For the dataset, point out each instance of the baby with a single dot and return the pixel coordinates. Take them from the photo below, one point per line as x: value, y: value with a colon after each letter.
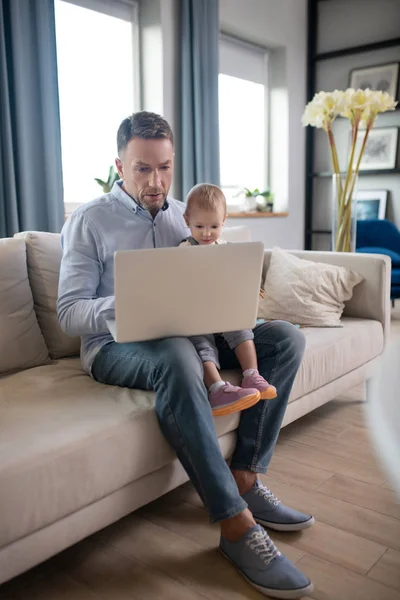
x: 205, y: 216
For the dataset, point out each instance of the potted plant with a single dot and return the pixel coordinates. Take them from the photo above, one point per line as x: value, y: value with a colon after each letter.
x: 112, y: 178
x: 262, y: 201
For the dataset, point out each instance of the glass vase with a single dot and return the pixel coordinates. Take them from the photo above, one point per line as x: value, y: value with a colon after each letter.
x: 344, y: 219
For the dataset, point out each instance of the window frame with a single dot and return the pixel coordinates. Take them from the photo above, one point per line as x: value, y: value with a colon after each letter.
x: 238, y: 43
x: 126, y: 10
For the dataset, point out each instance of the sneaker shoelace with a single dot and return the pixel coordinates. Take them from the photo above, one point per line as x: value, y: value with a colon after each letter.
x: 260, y: 543
x: 266, y: 493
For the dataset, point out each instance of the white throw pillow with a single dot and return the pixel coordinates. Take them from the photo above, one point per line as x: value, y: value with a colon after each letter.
x: 306, y: 292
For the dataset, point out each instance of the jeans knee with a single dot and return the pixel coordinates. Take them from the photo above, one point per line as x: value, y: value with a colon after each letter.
x: 180, y: 359
x: 295, y: 340
x: 285, y: 336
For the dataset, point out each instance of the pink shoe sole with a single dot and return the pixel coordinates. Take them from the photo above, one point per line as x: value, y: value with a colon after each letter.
x: 242, y: 404
x: 269, y: 394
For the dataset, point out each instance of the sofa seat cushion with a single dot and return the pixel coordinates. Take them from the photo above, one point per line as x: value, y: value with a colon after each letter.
x: 67, y: 441
x: 330, y: 353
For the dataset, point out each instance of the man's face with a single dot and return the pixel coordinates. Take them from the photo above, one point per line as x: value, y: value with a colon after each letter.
x: 146, y: 166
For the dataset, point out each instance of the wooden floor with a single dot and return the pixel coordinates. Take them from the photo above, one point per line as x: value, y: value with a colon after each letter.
x: 324, y: 463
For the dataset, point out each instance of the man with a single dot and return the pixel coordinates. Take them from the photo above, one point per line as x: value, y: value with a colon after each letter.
x: 137, y: 213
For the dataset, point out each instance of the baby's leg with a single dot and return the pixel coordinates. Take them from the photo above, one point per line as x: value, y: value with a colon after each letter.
x: 224, y: 397
x: 243, y: 345
x: 241, y: 342
x: 247, y: 355
x: 208, y: 352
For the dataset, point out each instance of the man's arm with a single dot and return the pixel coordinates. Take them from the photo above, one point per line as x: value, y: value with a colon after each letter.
x: 79, y: 309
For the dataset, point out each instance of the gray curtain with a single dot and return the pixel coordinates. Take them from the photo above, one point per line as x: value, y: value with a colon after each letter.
x: 199, y: 36
x: 30, y: 147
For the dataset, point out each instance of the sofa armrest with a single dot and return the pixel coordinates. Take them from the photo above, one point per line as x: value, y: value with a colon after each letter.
x: 371, y: 298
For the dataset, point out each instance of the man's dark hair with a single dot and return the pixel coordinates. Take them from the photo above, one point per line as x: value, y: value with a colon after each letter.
x: 144, y: 125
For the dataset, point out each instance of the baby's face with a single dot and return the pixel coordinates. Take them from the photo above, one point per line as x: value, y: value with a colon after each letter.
x: 205, y: 225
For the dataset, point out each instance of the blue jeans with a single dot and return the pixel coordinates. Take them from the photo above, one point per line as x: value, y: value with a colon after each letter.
x: 174, y: 370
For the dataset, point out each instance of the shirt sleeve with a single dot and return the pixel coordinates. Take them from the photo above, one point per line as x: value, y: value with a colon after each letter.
x: 80, y: 310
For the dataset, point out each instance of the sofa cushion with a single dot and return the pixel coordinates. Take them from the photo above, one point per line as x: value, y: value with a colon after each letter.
x: 21, y: 343
x: 330, y: 353
x: 306, y: 292
x: 44, y: 254
x: 67, y: 441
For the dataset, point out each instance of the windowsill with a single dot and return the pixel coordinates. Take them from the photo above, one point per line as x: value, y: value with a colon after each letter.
x: 256, y: 215
x: 238, y: 215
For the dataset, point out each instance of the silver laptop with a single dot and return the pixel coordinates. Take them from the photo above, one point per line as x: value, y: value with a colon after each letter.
x: 170, y: 292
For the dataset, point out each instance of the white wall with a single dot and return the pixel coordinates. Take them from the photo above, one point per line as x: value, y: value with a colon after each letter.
x: 278, y: 24
x: 347, y: 23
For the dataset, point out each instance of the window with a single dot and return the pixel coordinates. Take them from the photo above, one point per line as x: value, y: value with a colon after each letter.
x: 242, y: 118
x: 96, y: 54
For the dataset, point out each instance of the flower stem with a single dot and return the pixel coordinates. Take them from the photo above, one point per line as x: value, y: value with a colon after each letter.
x: 363, y: 147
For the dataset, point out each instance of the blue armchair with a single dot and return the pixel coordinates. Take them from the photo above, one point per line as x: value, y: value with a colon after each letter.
x: 379, y: 236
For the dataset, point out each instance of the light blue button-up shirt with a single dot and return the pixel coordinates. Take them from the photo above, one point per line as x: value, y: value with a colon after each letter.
x: 89, y: 239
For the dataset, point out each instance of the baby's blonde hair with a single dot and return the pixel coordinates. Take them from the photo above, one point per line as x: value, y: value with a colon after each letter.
x: 205, y: 196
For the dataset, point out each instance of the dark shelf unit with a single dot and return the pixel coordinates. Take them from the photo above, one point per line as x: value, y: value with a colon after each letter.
x: 358, y: 49
x: 363, y: 172
x: 312, y: 59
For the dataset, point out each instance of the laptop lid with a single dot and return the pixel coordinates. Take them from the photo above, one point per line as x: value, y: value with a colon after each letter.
x: 168, y: 292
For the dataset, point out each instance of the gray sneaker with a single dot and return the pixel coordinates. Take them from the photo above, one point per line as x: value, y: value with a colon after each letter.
x: 264, y: 567
x: 272, y: 513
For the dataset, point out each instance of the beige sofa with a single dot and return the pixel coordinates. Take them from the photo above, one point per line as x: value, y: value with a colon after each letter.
x: 76, y: 455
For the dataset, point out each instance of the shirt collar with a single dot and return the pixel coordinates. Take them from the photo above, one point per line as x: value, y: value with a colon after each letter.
x: 130, y: 202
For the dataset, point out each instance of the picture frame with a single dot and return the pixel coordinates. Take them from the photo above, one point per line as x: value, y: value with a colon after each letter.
x: 380, y: 151
x: 370, y: 204
x: 378, y: 77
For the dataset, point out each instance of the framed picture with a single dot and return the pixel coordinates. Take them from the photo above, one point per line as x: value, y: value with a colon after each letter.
x: 380, y: 77
x: 380, y: 151
x: 371, y: 204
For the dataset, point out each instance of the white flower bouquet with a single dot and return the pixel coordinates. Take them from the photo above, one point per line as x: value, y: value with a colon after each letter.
x: 361, y: 107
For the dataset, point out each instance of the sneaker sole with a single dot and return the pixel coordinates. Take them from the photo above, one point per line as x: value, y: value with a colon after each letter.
x: 286, y: 526
x: 237, y: 406
x: 273, y: 593
x: 269, y: 393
